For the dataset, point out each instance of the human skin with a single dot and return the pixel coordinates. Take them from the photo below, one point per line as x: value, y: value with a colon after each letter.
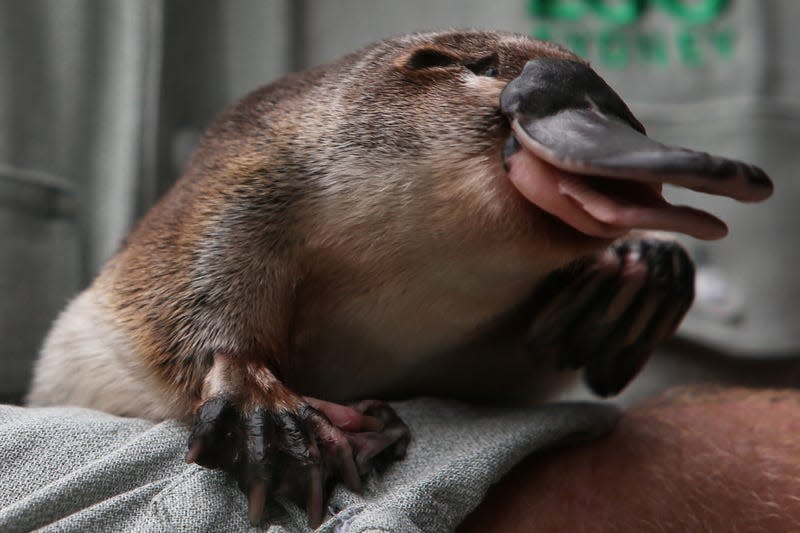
x: 693, y: 459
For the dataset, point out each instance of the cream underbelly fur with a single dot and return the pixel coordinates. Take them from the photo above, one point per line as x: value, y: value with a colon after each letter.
x: 86, y: 361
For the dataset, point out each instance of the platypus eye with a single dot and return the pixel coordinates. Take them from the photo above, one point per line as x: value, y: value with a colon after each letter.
x: 486, y: 66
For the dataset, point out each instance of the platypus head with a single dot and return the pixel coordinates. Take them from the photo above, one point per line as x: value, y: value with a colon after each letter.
x: 466, y: 113
x: 477, y: 143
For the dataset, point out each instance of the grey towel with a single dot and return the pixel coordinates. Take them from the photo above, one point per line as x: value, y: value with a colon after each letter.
x: 73, y: 469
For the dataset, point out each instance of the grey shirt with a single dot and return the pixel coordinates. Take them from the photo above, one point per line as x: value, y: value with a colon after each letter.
x: 72, y: 469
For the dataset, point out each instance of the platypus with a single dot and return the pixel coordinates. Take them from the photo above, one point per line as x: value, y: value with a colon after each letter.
x: 457, y: 213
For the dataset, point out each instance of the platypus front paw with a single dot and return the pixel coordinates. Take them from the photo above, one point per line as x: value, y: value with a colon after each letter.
x: 608, y: 313
x: 299, y: 449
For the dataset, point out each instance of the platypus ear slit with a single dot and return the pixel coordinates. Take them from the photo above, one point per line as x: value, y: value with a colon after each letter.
x: 427, y: 57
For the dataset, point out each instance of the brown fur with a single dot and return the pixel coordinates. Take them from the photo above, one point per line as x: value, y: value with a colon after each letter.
x: 348, y: 195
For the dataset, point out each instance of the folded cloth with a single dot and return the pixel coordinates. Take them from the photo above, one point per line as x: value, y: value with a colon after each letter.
x: 74, y: 469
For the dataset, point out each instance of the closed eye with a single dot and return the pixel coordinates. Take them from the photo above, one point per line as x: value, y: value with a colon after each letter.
x: 485, y: 66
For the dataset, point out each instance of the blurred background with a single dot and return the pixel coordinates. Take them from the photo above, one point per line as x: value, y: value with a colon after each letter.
x: 102, y: 101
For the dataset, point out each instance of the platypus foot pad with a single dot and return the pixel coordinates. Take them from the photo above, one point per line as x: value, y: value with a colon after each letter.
x: 608, y: 313
x: 300, y: 452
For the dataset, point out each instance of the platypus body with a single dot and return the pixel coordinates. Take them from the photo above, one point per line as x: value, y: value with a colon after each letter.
x: 442, y: 214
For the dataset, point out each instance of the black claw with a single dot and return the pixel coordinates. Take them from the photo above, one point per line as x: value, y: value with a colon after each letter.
x: 206, y: 442
x: 607, y: 378
x: 348, y: 469
x: 315, y: 500
x: 340, y: 459
x: 294, y: 439
x: 256, y: 499
x: 585, y: 334
x: 195, y: 450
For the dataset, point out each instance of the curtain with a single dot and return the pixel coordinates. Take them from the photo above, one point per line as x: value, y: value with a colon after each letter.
x: 101, y: 101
